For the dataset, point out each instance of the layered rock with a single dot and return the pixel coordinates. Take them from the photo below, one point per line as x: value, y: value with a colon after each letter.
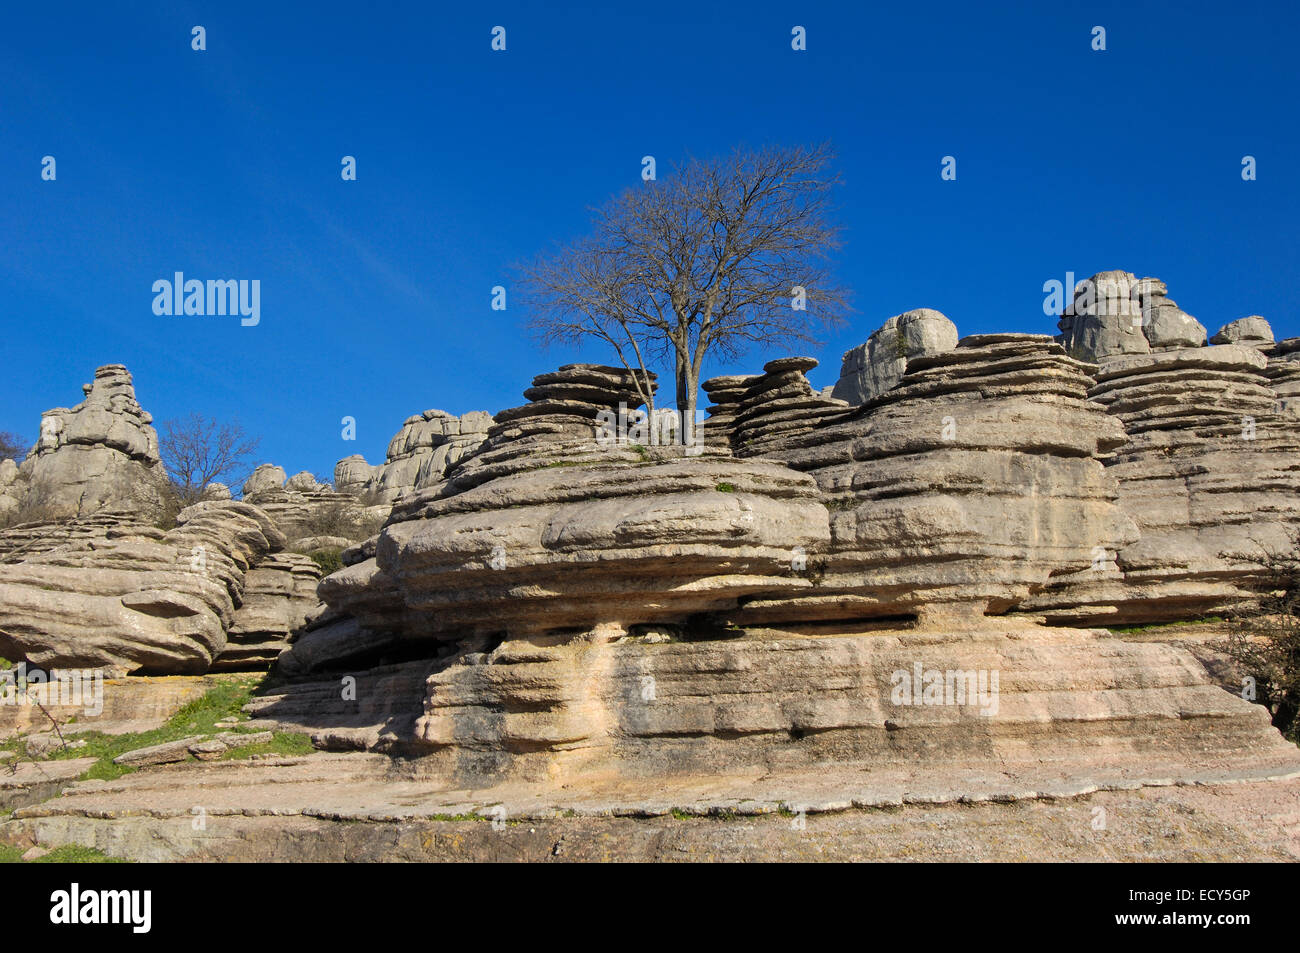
x: 555, y: 712
x: 312, y: 515
x: 1210, y: 473
x: 279, y: 594
x: 101, y: 454
x: 1105, y: 317
x: 778, y: 405
x: 418, y: 456
x: 725, y: 396
x: 1283, y: 373
x: 874, y: 367
x: 962, y: 490
x: 551, y: 527
x: 136, y: 598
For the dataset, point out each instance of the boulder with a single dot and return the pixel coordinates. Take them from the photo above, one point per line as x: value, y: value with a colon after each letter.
x: 1252, y: 331
x: 876, y: 366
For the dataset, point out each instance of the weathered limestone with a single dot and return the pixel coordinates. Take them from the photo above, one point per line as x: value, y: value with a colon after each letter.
x: 725, y: 396
x: 418, y: 455
x: 874, y: 367
x: 546, y: 529
x: 1252, y: 331
x: 1211, y: 475
x: 1163, y: 322
x: 558, y: 713
x: 135, y: 598
x: 278, y: 595
x: 1105, y: 318
x: 1283, y: 373
x: 778, y: 405
x: 101, y: 454
x: 960, y: 491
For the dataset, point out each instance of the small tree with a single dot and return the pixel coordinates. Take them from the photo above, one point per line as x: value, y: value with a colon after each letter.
x: 721, y: 255
x: 197, y: 451
x: 12, y: 447
x: 1265, y: 638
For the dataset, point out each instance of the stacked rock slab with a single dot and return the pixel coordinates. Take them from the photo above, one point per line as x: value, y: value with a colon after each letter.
x: 279, y: 593
x: 1283, y: 373
x: 611, y: 612
x: 1211, y: 475
x: 778, y: 405
x: 725, y: 395
x: 100, y: 454
x: 547, y: 528
x: 418, y: 456
x: 310, y: 514
x: 138, y: 598
x: 872, y: 368
x: 963, y: 489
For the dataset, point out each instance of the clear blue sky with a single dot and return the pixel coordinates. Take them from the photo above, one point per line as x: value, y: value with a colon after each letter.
x: 375, y: 293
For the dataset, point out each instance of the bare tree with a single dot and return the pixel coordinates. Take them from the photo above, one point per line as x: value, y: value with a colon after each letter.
x: 197, y: 451
x: 721, y: 255
x: 12, y: 447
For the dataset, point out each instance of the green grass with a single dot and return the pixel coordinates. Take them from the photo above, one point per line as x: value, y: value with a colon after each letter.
x: 329, y: 560
x: 67, y: 854
x: 222, y: 702
x: 726, y: 488
x: 283, y: 743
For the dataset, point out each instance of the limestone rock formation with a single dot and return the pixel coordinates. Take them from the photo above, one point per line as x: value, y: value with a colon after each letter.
x: 279, y: 593
x: 1105, y: 317
x: 312, y: 515
x: 966, y: 487
x: 778, y: 405
x: 1283, y: 373
x: 418, y: 455
x: 1164, y: 324
x: 546, y: 528
x: 874, y: 367
x: 725, y: 395
x: 135, y: 598
x: 101, y: 454
x: 1211, y: 474
x: 1252, y: 331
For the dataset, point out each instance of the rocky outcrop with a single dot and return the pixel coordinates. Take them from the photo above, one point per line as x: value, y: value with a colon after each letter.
x: 418, y: 455
x: 279, y: 593
x: 99, y: 455
x: 1251, y: 331
x: 778, y: 405
x: 1283, y: 373
x: 1210, y: 473
x: 1105, y: 317
x: 135, y: 598
x: 725, y: 396
x: 962, y: 490
x: 551, y: 527
x: 312, y: 515
x: 874, y: 367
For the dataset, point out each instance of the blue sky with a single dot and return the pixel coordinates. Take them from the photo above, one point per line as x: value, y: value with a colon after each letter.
x: 375, y: 293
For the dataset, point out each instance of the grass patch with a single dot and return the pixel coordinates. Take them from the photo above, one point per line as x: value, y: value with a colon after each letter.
x: 67, y: 854
x: 726, y: 488
x: 329, y: 560
x: 283, y: 743
x: 222, y: 702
